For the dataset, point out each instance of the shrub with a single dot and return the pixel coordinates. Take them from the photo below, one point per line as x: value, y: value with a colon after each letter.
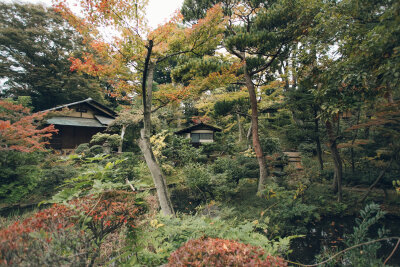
x: 307, y: 149
x: 197, y: 176
x: 82, y: 148
x: 218, y: 185
x: 370, y: 216
x: 270, y: 145
x: 95, y: 150
x: 100, y: 138
x: 19, y: 174
x: 230, y: 167
x: 250, y: 166
x: 180, y: 151
x: 220, y: 252
x: 67, y: 234
x: 164, y: 235
x: 55, y: 176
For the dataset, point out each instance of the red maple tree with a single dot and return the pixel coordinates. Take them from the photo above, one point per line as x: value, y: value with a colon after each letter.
x: 20, y: 130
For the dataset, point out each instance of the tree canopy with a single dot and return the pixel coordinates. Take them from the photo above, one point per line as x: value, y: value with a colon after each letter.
x: 35, y: 44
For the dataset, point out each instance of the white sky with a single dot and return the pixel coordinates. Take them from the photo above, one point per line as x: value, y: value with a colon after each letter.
x: 158, y: 11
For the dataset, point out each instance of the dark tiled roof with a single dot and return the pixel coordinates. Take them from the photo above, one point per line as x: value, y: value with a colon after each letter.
x: 200, y: 126
x: 88, y: 101
x: 75, y: 121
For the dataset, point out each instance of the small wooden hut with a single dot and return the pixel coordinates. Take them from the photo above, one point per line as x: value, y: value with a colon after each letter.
x: 199, y: 133
x: 83, y: 120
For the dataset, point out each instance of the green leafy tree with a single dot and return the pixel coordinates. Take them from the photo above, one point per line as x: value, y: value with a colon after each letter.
x: 257, y: 34
x: 350, y: 60
x: 129, y: 61
x: 35, y: 44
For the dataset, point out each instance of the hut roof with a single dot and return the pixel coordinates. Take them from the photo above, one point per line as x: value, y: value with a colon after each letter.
x: 200, y: 126
x: 90, y: 102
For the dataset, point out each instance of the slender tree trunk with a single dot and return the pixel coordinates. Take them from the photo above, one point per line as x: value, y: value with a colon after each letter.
x: 248, y: 136
x: 353, y: 165
x: 317, y: 140
x: 123, y: 130
x: 145, y: 133
x: 378, y: 179
x: 338, y: 168
x: 256, y: 140
x: 240, y: 128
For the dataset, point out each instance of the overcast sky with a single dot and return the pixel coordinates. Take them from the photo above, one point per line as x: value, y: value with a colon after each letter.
x: 158, y: 11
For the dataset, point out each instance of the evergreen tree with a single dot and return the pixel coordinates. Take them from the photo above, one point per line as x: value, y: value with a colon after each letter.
x: 35, y: 44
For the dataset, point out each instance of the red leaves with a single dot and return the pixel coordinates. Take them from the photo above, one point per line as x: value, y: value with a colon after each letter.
x: 108, y: 214
x: 220, y: 252
x: 19, y: 129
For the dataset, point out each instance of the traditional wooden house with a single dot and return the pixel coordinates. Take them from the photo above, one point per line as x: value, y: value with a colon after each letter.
x: 199, y: 133
x: 77, y: 126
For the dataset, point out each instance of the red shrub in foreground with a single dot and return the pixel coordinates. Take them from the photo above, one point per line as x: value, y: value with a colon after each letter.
x: 57, y: 228
x: 219, y: 252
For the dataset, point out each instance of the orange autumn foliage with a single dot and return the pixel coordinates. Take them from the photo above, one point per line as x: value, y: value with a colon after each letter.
x: 120, y: 56
x: 220, y: 252
x: 107, y: 214
x: 20, y: 130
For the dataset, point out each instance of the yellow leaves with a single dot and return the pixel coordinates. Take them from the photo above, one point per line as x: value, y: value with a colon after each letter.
x: 158, y: 144
x: 154, y: 223
x: 299, y: 191
x: 249, y: 153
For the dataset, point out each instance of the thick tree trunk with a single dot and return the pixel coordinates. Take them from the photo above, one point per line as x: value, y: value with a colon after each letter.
x: 145, y: 133
x: 337, y: 161
x: 156, y: 173
x: 256, y: 140
x: 123, y: 130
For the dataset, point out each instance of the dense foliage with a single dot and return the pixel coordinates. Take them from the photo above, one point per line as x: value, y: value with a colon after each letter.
x: 68, y: 233
x: 305, y: 96
x: 220, y: 252
x: 35, y: 44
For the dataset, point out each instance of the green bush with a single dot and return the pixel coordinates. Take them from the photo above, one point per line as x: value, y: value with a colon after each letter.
x: 101, y: 138
x: 95, y: 150
x: 270, y: 145
x: 157, y: 239
x: 230, y: 167
x: 249, y: 165
x: 54, y: 176
x: 198, y: 177
x: 307, y: 149
x: 82, y: 149
x: 365, y: 255
x: 19, y: 175
x: 180, y: 151
x: 216, y: 185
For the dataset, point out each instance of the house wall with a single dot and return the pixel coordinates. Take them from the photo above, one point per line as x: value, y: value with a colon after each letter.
x: 69, y: 137
x: 204, y: 131
x: 74, y: 113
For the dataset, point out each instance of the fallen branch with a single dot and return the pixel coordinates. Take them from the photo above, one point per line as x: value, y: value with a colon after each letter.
x: 393, y: 251
x: 377, y: 180
x: 350, y: 248
x: 129, y: 183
